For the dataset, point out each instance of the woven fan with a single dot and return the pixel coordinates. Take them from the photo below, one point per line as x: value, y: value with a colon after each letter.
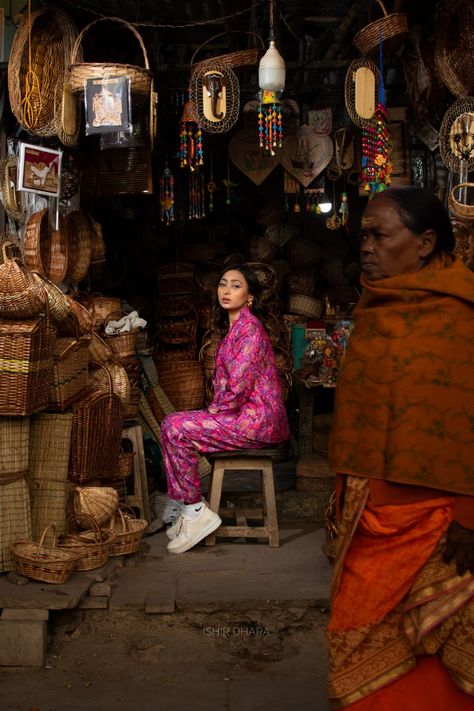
x: 360, y: 91
x: 454, y: 47
x: 456, y: 135
x: 215, y: 92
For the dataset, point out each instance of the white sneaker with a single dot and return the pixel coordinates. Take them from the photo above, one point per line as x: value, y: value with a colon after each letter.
x: 193, y: 530
x: 173, y: 530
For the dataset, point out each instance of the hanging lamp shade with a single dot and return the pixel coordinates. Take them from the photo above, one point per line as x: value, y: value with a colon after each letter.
x: 271, y: 70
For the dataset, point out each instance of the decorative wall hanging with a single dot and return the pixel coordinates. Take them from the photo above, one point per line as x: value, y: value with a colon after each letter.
x: 167, y: 196
x: 292, y: 191
x: 39, y: 57
x: 306, y: 154
x: 229, y: 184
x: 107, y: 105
x: 393, y: 28
x: 246, y: 155
x: 39, y: 170
x: 270, y: 124
x: 456, y: 136
x: 454, y: 46
x: 361, y: 90
x: 211, y: 188
x: 215, y: 93
x: 196, y: 196
x: 320, y: 120
x: 190, y: 138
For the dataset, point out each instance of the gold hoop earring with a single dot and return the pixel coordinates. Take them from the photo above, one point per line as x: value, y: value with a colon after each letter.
x: 249, y: 303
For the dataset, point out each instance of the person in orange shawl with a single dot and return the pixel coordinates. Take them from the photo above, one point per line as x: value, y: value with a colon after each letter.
x: 401, y: 632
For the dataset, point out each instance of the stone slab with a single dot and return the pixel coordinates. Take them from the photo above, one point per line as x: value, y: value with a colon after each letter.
x: 94, y: 603
x: 31, y: 615
x: 22, y: 643
x: 45, y: 596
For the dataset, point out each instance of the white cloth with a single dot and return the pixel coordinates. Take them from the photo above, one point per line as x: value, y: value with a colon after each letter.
x: 130, y: 322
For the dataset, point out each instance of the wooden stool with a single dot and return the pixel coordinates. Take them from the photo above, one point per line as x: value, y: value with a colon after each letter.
x: 246, y: 459
x: 139, y: 499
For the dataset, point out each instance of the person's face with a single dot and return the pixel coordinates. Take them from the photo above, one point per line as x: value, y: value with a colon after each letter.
x: 233, y: 292
x: 387, y: 247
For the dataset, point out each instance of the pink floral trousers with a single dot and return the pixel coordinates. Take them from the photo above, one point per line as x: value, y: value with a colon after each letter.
x: 183, y: 435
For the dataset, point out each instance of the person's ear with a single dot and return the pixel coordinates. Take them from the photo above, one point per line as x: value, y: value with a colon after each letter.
x: 428, y: 243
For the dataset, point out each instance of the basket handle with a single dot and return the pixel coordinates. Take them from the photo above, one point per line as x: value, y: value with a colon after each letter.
x: 90, y: 520
x: 43, y: 536
x: 460, y: 185
x: 385, y: 13
x: 80, y: 37
x: 109, y: 376
x: 123, y: 519
x: 222, y: 34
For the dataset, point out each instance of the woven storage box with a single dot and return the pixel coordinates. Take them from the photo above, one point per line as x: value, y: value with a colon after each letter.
x: 96, y: 437
x: 98, y: 502
x: 128, y: 531
x: 21, y: 296
x: 140, y: 77
x: 26, y: 365
x: 49, y: 564
x: 183, y: 382
x: 391, y: 26
x: 46, y: 249
x: 14, y: 443
x: 50, y: 440
x: 93, y: 547
x: 15, y: 519
x: 70, y: 372
x: 305, y: 305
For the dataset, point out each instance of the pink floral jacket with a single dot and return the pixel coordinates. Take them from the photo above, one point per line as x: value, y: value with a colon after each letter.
x: 246, y: 383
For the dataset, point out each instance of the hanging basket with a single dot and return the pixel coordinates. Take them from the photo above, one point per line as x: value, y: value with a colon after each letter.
x: 388, y: 27
x: 221, y: 116
x: 140, y: 77
x: 459, y: 210
x: 235, y: 60
x: 350, y: 89
x: 454, y: 48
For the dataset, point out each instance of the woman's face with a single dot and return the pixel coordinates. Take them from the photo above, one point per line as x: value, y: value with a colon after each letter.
x: 387, y: 247
x: 233, y: 292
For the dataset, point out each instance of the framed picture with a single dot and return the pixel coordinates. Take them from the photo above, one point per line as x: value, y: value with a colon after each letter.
x: 39, y: 170
x: 107, y: 105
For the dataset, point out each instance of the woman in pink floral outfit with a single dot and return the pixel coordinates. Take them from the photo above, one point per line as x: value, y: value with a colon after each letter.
x: 247, y: 411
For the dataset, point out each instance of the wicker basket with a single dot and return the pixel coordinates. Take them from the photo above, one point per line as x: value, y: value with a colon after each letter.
x: 459, y: 210
x: 183, y: 382
x: 389, y: 27
x: 175, y: 278
x: 26, y: 365
x: 100, y: 307
x: 46, y: 250
x: 122, y: 344
x: 20, y: 294
x: 125, y: 467
x: 128, y: 531
x: 101, y: 376
x: 96, y: 437
x: 453, y: 47
x: 70, y: 372
x: 305, y: 306
x: 48, y: 36
x: 140, y: 77
x: 14, y: 438
x: 79, y: 245
x: 93, y: 547
x: 176, y: 329
x: 165, y: 352
x: 58, y: 303
x: 97, y: 502
x: 302, y: 253
x: 49, y: 564
x: 301, y: 281
x: 262, y: 249
x: 234, y: 60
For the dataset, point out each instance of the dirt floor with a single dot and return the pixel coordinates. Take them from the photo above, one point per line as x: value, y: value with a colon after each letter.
x: 121, y: 661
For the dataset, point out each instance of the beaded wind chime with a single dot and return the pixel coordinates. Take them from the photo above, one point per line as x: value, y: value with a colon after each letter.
x: 190, y: 139
x: 377, y: 146
x: 167, y: 196
x: 196, y: 196
x: 270, y: 122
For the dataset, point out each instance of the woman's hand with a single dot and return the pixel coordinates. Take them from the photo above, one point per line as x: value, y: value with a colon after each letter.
x: 460, y: 547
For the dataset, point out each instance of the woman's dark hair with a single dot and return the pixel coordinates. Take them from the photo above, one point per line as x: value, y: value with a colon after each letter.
x: 421, y: 210
x: 221, y: 318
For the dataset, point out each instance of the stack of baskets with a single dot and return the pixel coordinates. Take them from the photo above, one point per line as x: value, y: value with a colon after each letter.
x: 93, y: 547
x: 183, y: 382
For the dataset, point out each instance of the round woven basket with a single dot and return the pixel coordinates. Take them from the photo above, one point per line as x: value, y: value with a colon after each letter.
x: 99, y: 380
x: 350, y: 89
x: 21, y: 296
x: 57, y: 301
x: 235, y: 60
x: 79, y: 71
x: 183, y: 382
x: 98, y: 502
x: 302, y: 253
x: 79, y: 245
x: 261, y: 249
x: 453, y: 54
x: 49, y: 564
x: 45, y: 249
x: 448, y: 148
x: 265, y: 273
x: 100, y: 306
x: 93, y: 547
x: 301, y: 281
x: 128, y: 530
x: 389, y: 27
x: 305, y: 305
x: 53, y: 35
x: 461, y: 211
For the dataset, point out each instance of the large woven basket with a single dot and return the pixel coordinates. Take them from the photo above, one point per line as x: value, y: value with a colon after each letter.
x: 175, y: 278
x: 453, y: 48
x: 96, y: 437
x: 183, y: 382
x: 70, y: 372
x: 50, y: 564
x: 97, y: 502
x: 21, y: 296
x: 388, y: 27
x: 46, y: 249
x: 128, y: 531
x: 26, y: 365
x: 461, y: 211
x: 14, y: 439
x: 58, y: 303
x: 93, y: 547
x: 305, y: 306
x: 100, y: 378
x: 100, y: 306
x: 140, y: 77
x: 79, y: 245
x: 50, y: 35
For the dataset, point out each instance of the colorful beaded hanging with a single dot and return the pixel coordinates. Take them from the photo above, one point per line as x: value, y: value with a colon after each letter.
x: 211, y: 189
x: 167, y: 196
x: 377, y: 145
x: 291, y: 188
x: 196, y: 196
x: 228, y: 185
x: 190, y: 139
x: 270, y: 122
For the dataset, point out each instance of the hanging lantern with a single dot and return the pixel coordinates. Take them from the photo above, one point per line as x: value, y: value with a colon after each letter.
x: 190, y: 139
x: 271, y: 70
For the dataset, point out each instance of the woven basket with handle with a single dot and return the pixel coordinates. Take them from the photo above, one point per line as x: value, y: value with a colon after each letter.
x: 389, y: 26
x: 70, y: 374
x: 79, y: 71
x: 20, y: 294
x: 46, y: 250
x: 50, y: 564
x: 128, y: 530
x: 93, y: 546
x: 461, y: 211
x: 234, y: 60
x: 97, y: 502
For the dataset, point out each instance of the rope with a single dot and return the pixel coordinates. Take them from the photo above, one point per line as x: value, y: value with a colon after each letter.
x: 32, y: 86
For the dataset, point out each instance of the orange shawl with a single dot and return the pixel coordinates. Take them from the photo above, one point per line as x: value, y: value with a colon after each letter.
x: 405, y: 393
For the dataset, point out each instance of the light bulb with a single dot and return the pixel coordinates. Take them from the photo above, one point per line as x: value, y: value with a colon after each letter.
x: 325, y: 203
x: 271, y: 70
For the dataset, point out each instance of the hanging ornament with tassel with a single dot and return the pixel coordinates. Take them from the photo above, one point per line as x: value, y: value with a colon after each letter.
x: 167, y: 196
x: 190, y: 139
